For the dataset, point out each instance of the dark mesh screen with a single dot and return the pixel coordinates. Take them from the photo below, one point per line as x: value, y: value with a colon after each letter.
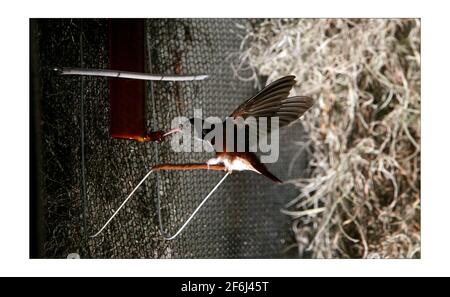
x: 242, y: 219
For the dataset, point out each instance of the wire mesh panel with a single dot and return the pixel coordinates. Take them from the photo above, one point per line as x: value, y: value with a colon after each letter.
x: 87, y: 174
x: 243, y: 218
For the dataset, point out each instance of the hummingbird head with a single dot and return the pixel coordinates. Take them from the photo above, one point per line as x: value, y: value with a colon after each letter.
x: 198, y: 126
x: 182, y: 127
x: 189, y: 125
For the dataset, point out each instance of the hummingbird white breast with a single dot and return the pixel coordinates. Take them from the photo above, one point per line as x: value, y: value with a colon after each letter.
x: 232, y: 164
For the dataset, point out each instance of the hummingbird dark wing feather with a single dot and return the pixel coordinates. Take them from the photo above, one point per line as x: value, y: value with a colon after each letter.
x: 268, y: 98
x: 273, y: 101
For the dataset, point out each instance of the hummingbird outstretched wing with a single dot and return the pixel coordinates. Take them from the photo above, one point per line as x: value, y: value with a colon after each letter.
x: 273, y: 101
x: 270, y: 102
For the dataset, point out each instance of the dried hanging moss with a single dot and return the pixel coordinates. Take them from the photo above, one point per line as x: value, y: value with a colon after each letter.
x: 362, y: 194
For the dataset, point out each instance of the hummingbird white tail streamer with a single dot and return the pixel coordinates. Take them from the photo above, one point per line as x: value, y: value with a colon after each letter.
x: 167, y: 237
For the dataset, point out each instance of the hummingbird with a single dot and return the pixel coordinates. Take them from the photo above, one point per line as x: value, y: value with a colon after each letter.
x: 271, y: 101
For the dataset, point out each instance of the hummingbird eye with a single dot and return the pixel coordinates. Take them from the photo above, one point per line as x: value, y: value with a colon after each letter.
x: 185, y: 125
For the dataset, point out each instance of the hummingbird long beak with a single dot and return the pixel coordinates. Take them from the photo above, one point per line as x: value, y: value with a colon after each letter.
x: 175, y: 130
